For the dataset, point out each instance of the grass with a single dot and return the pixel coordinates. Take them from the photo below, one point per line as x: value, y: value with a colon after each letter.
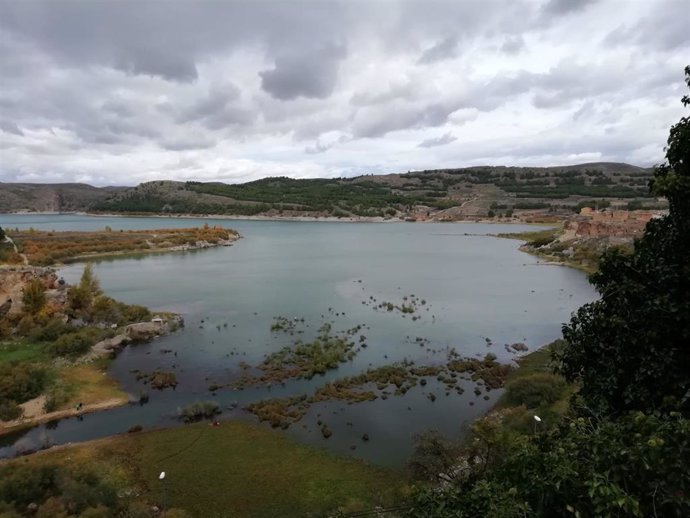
x: 88, y: 384
x: 67, y: 385
x: 236, y: 469
x: 537, y: 362
x: 534, y: 237
x: 22, y: 350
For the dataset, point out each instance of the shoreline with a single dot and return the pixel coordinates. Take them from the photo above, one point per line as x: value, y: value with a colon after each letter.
x: 232, y: 217
x: 7, y: 427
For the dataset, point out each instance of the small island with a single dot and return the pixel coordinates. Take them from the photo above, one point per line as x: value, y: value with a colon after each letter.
x: 46, y: 248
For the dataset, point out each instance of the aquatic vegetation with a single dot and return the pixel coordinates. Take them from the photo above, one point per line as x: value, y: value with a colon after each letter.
x: 304, y: 360
x: 280, y: 412
x: 487, y: 370
x: 198, y: 411
x: 377, y: 382
x: 287, y: 325
x: 158, y: 380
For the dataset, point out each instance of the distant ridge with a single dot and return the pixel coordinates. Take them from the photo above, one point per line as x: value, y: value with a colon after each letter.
x: 446, y: 193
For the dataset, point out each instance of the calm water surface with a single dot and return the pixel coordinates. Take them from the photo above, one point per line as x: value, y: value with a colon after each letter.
x: 476, y: 287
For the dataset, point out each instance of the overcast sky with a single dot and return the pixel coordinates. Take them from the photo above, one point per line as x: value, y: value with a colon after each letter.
x: 120, y: 92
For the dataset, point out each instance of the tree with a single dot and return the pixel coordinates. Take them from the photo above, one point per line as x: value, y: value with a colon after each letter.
x: 81, y: 296
x: 434, y: 458
x: 34, y: 296
x: 633, y: 466
x: 2, y: 234
x: 631, y: 349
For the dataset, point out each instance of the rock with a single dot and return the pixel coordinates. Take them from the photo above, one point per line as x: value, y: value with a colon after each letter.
x: 326, y: 432
x: 519, y: 346
x: 365, y: 437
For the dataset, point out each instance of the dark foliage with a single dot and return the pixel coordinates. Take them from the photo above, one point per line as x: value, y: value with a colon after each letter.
x: 631, y: 349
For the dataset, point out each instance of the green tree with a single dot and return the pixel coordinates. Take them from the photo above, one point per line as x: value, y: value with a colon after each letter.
x: 34, y: 296
x: 2, y: 234
x: 631, y: 348
x: 80, y: 297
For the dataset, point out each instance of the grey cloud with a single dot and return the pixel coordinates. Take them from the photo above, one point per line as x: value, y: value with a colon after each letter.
x: 187, y: 143
x: 165, y: 39
x: 561, y: 7
x: 220, y: 108
x: 11, y: 127
x: 312, y: 74
x: 379, y: 121
x: 665, y: 27
x: 442, y: 140
x: 158, y: 63
x: 408, y: 91
x: 318, y: 147
x: 444, y: 49
x: 513, y: 44
x: 215, y: 101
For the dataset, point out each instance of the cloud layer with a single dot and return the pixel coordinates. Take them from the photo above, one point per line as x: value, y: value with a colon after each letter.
x: 115, y: 93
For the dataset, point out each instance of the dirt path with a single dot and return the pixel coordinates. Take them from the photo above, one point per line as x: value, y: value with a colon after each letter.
x: 8, y: 239
x: 34, y: 413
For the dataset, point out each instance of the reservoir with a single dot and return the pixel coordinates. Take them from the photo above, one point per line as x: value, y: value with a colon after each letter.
x: 480, y: 293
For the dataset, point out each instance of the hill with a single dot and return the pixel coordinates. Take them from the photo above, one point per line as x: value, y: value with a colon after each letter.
x: 440, y: 194
x: 59, y: 197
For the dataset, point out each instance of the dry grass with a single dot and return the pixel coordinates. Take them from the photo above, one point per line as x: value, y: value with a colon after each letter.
x: 88, y: 384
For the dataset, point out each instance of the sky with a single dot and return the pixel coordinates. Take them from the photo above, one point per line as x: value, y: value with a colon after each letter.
x: 126, y: 91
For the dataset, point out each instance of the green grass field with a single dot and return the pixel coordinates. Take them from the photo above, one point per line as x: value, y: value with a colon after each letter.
x: 22, y: 351
x: 235, y: 470
x: 242, y: 470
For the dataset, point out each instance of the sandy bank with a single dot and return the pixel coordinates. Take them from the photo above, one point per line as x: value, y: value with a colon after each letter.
x: 34, y: 413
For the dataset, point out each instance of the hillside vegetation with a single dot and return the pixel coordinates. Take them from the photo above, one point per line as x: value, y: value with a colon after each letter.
x: 440, y: 194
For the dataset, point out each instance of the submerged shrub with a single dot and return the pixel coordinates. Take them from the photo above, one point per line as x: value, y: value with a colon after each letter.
x: 199, y: 410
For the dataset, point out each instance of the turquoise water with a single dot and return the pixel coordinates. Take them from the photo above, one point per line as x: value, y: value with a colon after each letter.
x: 476, y: 287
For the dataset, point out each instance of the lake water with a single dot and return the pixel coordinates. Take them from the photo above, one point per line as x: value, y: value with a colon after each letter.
x: 475, y: 286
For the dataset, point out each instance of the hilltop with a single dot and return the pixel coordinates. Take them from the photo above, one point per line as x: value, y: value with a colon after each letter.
x: 440, y: 194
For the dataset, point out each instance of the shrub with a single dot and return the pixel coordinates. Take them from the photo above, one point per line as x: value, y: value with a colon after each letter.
x: 59, y: 491
x: 50, y: 331
x: 21, y: 382
x: 9, y: 411
x: 34, y: 296
x: 133, y: 313
x: 199, y: 410
x: 536, y: 390
x: 76, y: 342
